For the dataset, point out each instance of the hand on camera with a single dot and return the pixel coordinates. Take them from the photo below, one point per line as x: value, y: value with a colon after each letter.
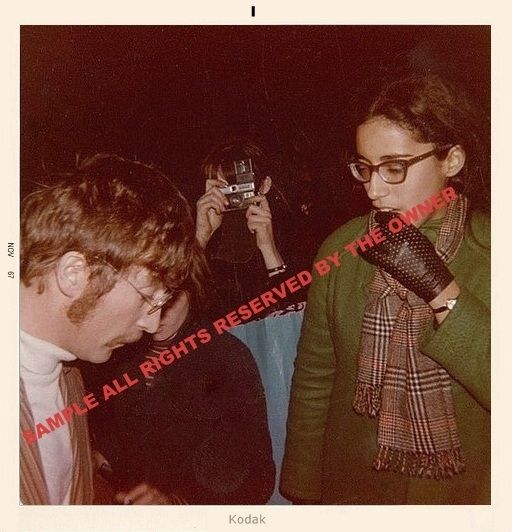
x: 259, y: 222
x: 410, y: 258
x: 210, y: 209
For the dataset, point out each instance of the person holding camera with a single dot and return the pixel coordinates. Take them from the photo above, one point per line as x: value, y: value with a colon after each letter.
x: 235, y: 223
x: 390, y: 400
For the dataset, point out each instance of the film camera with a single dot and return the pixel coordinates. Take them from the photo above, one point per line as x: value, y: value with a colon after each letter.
x: 238, y: 194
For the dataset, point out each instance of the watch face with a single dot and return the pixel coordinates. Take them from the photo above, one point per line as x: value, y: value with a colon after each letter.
x: 450, y: 303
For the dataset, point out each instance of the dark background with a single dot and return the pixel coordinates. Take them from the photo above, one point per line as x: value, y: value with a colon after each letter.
x: 167, y: 94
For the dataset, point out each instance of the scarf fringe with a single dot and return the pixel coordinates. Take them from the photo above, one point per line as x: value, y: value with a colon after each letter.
x: 367, y: 399
x: 438, y: 466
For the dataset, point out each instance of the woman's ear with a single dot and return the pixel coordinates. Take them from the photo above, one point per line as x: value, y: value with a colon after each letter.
x: 455, y: 160
x: 265, y: 186
x: 72, y: 274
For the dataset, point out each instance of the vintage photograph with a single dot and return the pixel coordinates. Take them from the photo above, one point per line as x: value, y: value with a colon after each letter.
x: 255, y: 265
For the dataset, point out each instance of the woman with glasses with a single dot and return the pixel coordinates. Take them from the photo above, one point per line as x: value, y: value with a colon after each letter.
x: 390, y: 401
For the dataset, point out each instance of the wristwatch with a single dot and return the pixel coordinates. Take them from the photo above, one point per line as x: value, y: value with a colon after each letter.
x: 449, y: 305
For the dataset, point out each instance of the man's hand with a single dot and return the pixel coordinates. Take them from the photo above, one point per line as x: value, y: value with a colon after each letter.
x: 210, y: 209
x: 146, y: 494
x: 410, y: 258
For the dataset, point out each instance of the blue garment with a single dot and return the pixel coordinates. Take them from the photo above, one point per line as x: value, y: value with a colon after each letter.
x: 273, y: 343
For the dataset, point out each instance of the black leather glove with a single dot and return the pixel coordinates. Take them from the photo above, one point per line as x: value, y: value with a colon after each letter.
x: 410, y: 258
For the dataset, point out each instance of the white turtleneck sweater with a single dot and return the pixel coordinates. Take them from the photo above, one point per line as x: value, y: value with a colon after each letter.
x: 40, y: 368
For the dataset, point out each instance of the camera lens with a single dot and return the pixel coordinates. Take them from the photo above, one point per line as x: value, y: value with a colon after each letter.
x: 236, y: 200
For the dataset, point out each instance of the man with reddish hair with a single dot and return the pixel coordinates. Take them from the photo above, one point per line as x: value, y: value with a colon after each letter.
x: 101, y: 252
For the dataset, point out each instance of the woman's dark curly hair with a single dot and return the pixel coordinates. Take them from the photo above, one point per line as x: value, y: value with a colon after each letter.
x: 438, y: 111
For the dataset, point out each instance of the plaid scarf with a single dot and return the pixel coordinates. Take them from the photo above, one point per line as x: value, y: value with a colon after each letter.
x: 408, y: 392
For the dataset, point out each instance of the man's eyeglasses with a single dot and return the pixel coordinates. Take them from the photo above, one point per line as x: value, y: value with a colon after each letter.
x: 393, y: 172
x: 155, y: 302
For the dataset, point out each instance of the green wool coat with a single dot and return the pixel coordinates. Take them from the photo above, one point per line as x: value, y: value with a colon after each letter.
x: 330, y: 448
